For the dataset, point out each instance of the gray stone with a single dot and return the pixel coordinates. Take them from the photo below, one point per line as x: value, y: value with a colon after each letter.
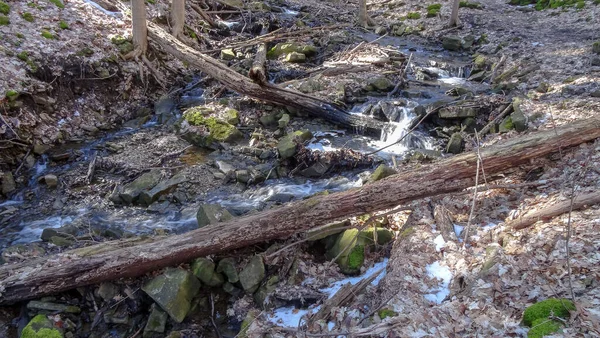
x: 287, y: 145
x: 51, y: 180
x: 242, y: 176
x: 381, y: 83
x: 518, y: 118
x: 227, y: 54
x: 228, y: 268
x: 468, y: 41
x: 284, y: 120
x: 225, y: 167
x: 232, y: 116
x: 156, y: 321
x: 116, y: 316
x: 380, y: 30
x: 48, y: 233
x: 61, y: 241
x: 165, y: 105
x: 8, y: 183
x: 211, y: 214
x: 252, y: 274
x: 457, y: 112
x: 54, y: 307
x: 455, y: 144
x: 295, y: 57
x: 264, y: 291
x: 317, y: 169
x: 173, y: 291
x: 204, y: 269
x: 381, y: 172
x: 147, y: 181
x: 595, y: 93
x: 452, y: 42
x: 595, y: 62
x: 107, y: 291
x: 148, y: 197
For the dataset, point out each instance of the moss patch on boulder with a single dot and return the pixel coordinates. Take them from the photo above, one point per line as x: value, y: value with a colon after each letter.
x: 543, y: 310
x: 40, y: 327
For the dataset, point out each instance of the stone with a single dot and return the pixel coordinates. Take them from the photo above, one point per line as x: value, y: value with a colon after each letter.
x: 206, y: 132
x: 204, y: 269
x: 506, y: 125
x: 349, y: 250
x: 317, y: 169
x: 518, y: 118
x: 381, y: 83
x: 468, y: 41
x: 165, y: 105
x: 542, y: 87
x: 457, y: 112
x: 596, y: 47
x: 478, y: 76
x: 295, y: 57
x: 173, y: 291
x: 252, y: 274
x: 148, y: 197
x: 156, y: 321
x: 263, y: 292
x: 211, y: 214
x: 51, y: 181
x: 287, y: 145
x: 61, y: 241
x: 41, y: 327
x: 283, y: 48
x: 146, y: 181
x: 384, y: 236
x: 284, y: 121
x: 224, y: 167
x: 452, y: 42
x: 53, y: 307
x: 595, y: 93
x: 233, y: 3
x: 321, y: 232
x: 259, y: 6
x: 232, y: 116
x: 381, y: 172
x: 227, y: 267
x: 40, y: 149
x: 546, y: 308
x: 455, y: 144
x: 227, y: 54
x: 107, y: 291
x: 424, y: 155
x: 31, y: 250
x: 116, y: 316
x: 48, y: 233
x: 310, y: 86
x: 380, y: 30
x: 8, y: 183
x: 595, y: 62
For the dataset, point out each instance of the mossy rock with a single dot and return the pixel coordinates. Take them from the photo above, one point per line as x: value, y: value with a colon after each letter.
x: 506, y: 125
x: 287, y: 145
x: 350, y: 260
x: 543, y: 327
x: 173, y: 291
x: 63, y: 25
x: 4, y: 8
x: 546, y: 308
x: 381, y: 172
x: 41, y: 327
x: 252, y: 274
x: 11, y: 95
x: 210, y: 129
x: 433, y: 10
x: 204, y: 269
x: 227, y: 54
x: 232, y: 116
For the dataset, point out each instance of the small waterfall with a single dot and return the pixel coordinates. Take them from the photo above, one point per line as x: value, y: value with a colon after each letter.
x: 395, y: 131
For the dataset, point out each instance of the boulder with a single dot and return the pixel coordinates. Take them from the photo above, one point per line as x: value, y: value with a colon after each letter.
x: 148, y: 197
x: 295, y: 57
x: 61, y: 241
x: 156, y: 321
x: 381, y: 172
x: 41, y: 327
x: 232, y: 116
x: 51, y: 181
x: 452, y: 42
x: 457, y: 112
x: 224, y: 167
x: 506, y: 125
x: 204, y: 131
x: 165, y: 105
x: 107, y: 291
x: 146, y: 181
x: 518, y: 118
x: 211, y: 214
x: 455, y: 144
x: 204, y: 269
x: 227, y: 267
x: 8, y: 183
x: 380, y: 83
x: 284, y: 121
x: 227, y: 54
x: 287, y: 145
x: 263, y: 292
x: 252, y: 274
x: 173, y: 291
x: 351, y: 259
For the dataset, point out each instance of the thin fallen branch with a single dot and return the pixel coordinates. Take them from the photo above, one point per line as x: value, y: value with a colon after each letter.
x: 258, y: 71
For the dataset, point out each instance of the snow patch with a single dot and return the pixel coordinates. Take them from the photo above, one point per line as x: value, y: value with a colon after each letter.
x: 439, y: 243
x: 438, y: 271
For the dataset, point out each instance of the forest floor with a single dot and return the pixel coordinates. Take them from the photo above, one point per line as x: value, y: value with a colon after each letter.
x: 74, y: 88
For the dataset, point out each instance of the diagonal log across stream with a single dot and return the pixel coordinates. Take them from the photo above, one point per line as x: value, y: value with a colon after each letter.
x: 130, y: 258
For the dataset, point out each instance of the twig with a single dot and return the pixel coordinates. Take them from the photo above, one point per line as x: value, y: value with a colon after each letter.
x: 8, y: 125
x: 23, y: 161
x: 401, y: 77
x: 567, y: 240
x: 91, y: 169
x: 497, y: 119
x: 466, y: 237
x: 212, y: 316
x: 493, y: 75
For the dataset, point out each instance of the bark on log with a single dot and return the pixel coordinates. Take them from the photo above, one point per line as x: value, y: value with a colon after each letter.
x: 75, y: 268
x: 554, y: 210
x: 268, y: 92
x: 258, y: 71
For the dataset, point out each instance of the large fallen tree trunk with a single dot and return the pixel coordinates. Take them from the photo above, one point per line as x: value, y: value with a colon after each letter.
x: 266, y: 92
x: 117, y: 259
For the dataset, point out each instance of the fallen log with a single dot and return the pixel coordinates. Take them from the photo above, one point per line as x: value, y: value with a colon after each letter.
x: 71, y: 269
x: 266, y: 92
x: 554, y: 210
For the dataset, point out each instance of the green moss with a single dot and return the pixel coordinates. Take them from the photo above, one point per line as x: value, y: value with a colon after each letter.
x: 543, y: 327
x: 23, y: 56
x: 46, y: 34
x: 4, y: 8
x: 32, y: 66
x: 27, y: 17
x: 63, y: 25
x: 58, y: 3
x: 384, y: 313
x: 413, y: 16
x: 542, y: 310
x: 433, y: 10
x: 85, y: 51
x: 473, y: 5
x: 356, y: 257
x: 151, y: 1
x: 40, y: 327
x: 4, y: 20
x: 11, y: 95
x: 20, y: 35
x: 596, y: 46
x: 219, y: 130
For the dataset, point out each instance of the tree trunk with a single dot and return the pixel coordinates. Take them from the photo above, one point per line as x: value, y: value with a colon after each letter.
x: 454, y: 15
x: 268, y: 92
x: 139, y: 28
x: 117, y: 259
x: 258, y: 72
x: 178, y: 17
x: 363, y: 16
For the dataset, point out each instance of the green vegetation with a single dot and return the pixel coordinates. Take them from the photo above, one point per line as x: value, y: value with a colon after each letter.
x: 20, y: 35
x: 151, y: 1
x: 544, y: 309
x: 433, y: 10
x: 4, y: 8
x: 356, y: 257
x: 473, y: 5
x: 413, y: 16
x: 4, y: 20
x: 545, y: 4
x: 23, y: 56
x: 86, y: 51
x: 543, y: 327
x: 58, y: 3
x: 27, y: 16
x: 63, y: 25
x: 11, y: 95
x: 40, y: 327
x: 46, y: 34
x: 125, y: 45
x: 384, y: 313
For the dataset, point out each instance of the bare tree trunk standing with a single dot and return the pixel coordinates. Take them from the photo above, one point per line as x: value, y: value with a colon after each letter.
x: 140, y: 30
x: 363, y: 17
x: 454, y: 16
x: 178, y: 17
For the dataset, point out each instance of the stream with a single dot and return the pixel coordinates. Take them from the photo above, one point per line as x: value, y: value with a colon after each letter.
x: 26, y: 220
